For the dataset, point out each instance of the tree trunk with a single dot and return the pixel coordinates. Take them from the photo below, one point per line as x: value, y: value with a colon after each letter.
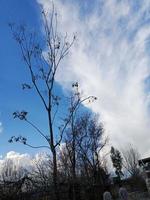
x: 55, y: 175
x: 74, y: 167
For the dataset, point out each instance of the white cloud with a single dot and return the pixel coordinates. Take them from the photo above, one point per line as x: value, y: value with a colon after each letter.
x: 21, y: 160
x: 18, y: 160
x: 110, y: 60
x: 25, y: 161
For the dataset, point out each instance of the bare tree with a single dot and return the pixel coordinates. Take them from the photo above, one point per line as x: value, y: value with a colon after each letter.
x: 80, y: 160
x: 84, y: 145
x: 130, y: 160
x: 43, y: 68
x: 41, y: 173
x: 64, y: 164
x: 13, y: 180
x: 91, y: 142
x: 75, y: 101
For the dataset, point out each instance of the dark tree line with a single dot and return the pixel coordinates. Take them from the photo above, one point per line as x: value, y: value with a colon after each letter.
x: 90, y: 175
x: 77, y: 176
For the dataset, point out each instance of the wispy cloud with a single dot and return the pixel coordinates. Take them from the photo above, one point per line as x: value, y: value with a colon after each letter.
x: 110, y: 59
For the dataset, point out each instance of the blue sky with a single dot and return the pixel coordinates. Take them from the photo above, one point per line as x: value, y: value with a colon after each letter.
x: 14, y: 73
x: 110, y: 60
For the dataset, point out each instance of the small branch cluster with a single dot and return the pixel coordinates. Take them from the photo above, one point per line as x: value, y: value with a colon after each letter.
x: 20, y: 115
x: 20, y: 139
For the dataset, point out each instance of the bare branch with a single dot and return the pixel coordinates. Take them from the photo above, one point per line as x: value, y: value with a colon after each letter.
x: 37, y: 147
x: 37, y: 129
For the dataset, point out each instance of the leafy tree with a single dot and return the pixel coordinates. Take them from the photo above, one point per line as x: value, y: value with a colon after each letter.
x: 117, y: 162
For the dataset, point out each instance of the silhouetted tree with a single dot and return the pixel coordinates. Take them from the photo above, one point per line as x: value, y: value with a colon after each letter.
x: 83, y: 145
x: 91, y: 141
x: 43, y: 67
x: 13, y: 180
x: 117, y: 162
